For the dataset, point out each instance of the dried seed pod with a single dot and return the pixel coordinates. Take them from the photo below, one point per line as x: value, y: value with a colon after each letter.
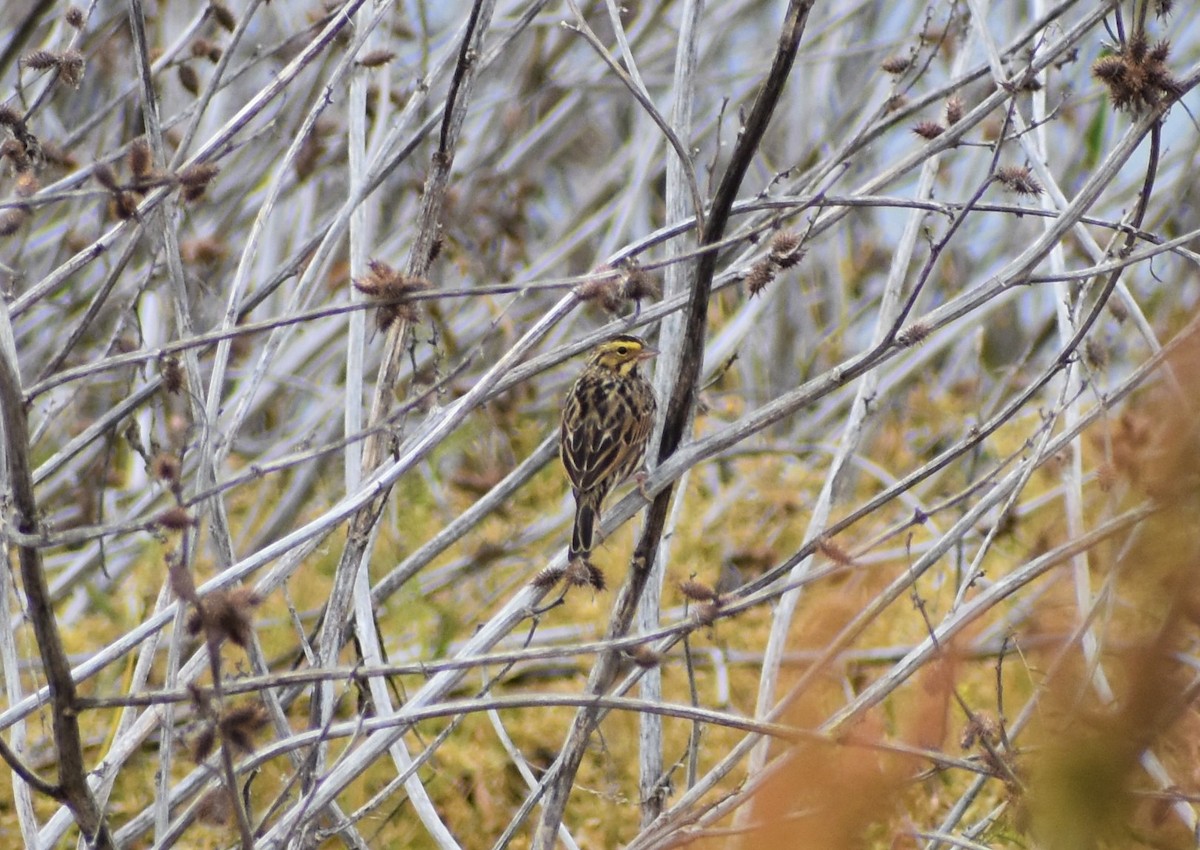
x: 165, y: 467
x: 12, y: 219
x: 582, y: 573
x: 14, y: 152
x: 759, y: 277
x: 226, y: 615
x: 912, y: 335
x: 834, y: 552
x: 27, y: 184
x: 548, y: 577
x: 202, y: 48
x: 638, y: 284
x: 1137, y: 75
x: 603, y: 288
x: 376, y: 58
x: 175, y: 519
x: 203, y: 251
x: 222, y: 15
x: 105, y: 176
x: 9, y: 117
x: 40, y: 60
x: 697, y: 591
x: 189, y: 79
x: 182, y: 584
x: 706, y: 613
x: 1018, y: 179
x: 929, y: 129
x: 55, y: 155
x: 216, y: 807
x: 141, y: 158
x: 954, y: 110
x: 195, y: 179
x: 124, y: 206
x: 785, y: 249
x: 172, y: 375
x: 387, y: 285
x: 71, y: 67
x: 239, y: 724
x: 203, y: 743
x: 645, y: 657
x: 596, y: 577
x: 199, y: 174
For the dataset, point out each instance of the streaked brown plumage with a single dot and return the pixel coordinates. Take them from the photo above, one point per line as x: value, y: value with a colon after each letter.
x: 606, y: 422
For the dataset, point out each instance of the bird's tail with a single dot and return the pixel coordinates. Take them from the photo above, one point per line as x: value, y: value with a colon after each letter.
x: 583, y: 533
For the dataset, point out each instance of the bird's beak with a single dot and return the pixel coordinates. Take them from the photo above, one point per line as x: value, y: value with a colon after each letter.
x: 647, y: 353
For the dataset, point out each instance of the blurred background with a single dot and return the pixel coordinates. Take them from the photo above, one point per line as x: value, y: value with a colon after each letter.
x: 946, y: 400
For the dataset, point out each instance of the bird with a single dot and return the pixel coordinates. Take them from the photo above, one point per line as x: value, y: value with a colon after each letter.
x: 606, y: 420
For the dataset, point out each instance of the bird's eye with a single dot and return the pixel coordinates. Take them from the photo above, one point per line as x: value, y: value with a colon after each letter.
x: 622, y: 350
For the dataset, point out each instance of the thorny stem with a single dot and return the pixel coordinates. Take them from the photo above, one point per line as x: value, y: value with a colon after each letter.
x: 72, y: 771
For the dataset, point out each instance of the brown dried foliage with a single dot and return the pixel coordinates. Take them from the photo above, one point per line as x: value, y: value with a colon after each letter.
x: 1084, y: 767
x: 1084, y: 764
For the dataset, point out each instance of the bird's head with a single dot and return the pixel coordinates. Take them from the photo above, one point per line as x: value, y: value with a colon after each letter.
x: 621, y: 354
